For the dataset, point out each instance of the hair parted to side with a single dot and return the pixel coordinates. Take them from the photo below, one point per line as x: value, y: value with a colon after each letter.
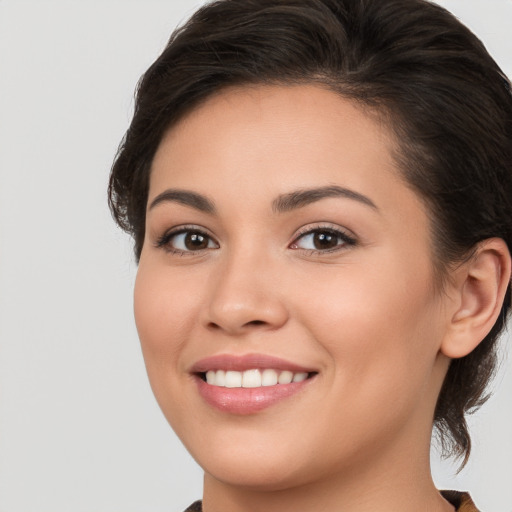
x: 446, y: 100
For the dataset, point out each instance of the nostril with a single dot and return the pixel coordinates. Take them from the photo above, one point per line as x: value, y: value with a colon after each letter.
x: 253, y: 323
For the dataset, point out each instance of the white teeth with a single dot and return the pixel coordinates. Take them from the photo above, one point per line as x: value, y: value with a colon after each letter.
x: 220, y: 378
x: 299, y: 377
x: 285, y: 377
x: 233, y: 379
x: 269, y: 378
x: 252, y: 378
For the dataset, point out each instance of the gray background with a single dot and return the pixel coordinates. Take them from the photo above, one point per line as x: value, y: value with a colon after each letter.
x: 79, y: 428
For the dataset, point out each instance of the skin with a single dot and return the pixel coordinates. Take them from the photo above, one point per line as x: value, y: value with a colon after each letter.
x: 366, y: 315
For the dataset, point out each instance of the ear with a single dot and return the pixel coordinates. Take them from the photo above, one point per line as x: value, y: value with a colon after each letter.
x: 480, y: 287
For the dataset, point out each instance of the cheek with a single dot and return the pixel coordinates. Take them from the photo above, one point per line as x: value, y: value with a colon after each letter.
x: 376, y: 326
x: 376, y: 323
x: 165, y: 311
x: 165, y: 314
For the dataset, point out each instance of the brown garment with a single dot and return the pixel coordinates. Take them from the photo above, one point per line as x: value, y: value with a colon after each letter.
x: 460, y: 500
x: 195, y: 507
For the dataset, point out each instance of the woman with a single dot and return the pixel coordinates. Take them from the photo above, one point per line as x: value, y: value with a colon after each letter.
x: 320, y: 194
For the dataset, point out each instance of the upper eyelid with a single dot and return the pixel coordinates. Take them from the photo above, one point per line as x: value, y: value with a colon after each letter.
x: 309, y: 228
x: 183, y: 228
x: 327, y: 226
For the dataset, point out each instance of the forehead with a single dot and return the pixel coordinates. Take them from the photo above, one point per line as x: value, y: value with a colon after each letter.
x: 276, y: 133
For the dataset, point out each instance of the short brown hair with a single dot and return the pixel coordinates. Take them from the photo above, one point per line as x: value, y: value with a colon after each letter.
x: 445, y: 98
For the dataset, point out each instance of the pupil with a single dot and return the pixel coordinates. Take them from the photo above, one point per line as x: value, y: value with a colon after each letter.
x: 325, y: 240
x: 195, y: 241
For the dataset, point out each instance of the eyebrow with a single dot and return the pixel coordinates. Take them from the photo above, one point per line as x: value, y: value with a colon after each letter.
x: 283, y: 203
x: 301, y: 198
x: 185, y: 197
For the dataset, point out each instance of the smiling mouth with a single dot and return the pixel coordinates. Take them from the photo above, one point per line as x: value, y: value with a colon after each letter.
x: 250, y: 383
x: 254, y: 378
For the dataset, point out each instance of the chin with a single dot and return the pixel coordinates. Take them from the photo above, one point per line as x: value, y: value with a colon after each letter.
x: 257, y: 462
x: 265, y: 475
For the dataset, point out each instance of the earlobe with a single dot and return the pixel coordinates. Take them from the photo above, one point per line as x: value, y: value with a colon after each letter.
x: 482, y: 284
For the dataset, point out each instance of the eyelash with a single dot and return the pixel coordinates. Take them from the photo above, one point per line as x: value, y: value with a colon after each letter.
x: 164, y: 241
x: 341, y: 235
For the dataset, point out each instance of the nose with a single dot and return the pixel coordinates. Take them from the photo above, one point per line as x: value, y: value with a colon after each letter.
x: 245, y: 296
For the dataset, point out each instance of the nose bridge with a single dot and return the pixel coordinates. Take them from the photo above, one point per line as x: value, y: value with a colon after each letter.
x: 245, y: 294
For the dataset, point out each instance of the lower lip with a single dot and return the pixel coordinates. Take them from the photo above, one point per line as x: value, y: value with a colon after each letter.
x: 247, y: 400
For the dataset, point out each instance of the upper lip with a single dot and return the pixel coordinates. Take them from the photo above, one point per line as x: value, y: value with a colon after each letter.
x: 246, y: 362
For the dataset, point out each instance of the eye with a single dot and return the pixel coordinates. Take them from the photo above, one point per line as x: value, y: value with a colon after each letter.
x: 186, y: 240
x: 322, y: 240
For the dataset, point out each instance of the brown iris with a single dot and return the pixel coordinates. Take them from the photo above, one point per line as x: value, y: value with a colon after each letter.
x: 195, y: 241
x: 325, y: 240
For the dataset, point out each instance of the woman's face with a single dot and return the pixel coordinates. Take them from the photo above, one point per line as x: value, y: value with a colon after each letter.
x: 281, y: 244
